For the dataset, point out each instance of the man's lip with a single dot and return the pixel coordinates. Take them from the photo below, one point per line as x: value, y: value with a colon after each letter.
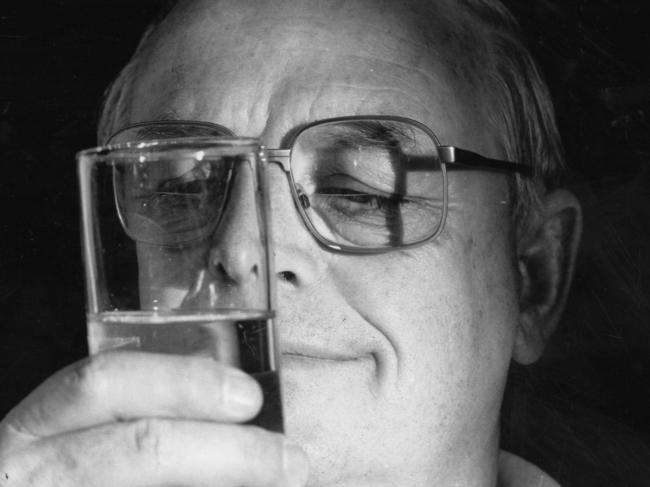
x: 317, y: 353
x: 325, y: 357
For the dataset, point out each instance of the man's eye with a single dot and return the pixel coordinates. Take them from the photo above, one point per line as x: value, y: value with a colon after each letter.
x: 363, y: 200
x: 178, y: 199
x: 193, y: 181
x: 174, y: 195
x: 181, y: 187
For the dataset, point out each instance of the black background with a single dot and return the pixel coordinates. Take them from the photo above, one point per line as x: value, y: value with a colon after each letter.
x: 583, y: 412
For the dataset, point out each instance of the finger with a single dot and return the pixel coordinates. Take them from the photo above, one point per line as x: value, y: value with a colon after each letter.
x: 126, y: 385
x: 160, y: 452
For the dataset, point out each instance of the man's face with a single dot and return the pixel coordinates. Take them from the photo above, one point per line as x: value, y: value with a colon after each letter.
x: 393, y: 365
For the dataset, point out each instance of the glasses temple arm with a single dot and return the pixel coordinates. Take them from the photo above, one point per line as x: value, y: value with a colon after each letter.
x: 461, y: 157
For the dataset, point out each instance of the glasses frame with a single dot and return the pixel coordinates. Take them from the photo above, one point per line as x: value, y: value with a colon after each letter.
x: 452, y: 156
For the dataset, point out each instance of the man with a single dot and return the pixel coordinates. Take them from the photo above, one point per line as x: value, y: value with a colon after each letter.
x: 393, y: 363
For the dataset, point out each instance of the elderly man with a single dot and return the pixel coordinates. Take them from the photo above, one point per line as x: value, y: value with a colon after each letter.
x: 394, y: 360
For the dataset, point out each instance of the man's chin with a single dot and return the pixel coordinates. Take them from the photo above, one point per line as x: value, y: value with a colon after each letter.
x: 327, y: 402
x: 315, y: 389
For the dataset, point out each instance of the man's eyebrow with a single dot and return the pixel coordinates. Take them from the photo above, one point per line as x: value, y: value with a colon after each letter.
x: 165, y: 128
x: 170, y: 114
x: 162, y: 132
x: 371, y: 133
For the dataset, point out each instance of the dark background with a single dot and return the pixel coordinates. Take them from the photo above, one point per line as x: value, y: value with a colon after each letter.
x: 583, y: 413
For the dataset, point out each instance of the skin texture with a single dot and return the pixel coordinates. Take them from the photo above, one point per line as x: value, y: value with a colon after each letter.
x: 393, y: 366
x: 426, y: 350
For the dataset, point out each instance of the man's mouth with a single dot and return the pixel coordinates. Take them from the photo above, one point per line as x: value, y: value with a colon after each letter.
x: 311, y: 353
x: 328, y: 358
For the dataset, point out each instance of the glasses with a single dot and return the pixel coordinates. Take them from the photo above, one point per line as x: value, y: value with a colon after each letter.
x: 361, y: 184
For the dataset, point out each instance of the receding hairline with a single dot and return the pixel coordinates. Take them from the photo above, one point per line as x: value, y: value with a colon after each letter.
x: 444, y: 41
x: 477, y: 41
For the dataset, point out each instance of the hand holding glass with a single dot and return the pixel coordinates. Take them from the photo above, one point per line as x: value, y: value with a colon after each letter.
x: 177, y: 253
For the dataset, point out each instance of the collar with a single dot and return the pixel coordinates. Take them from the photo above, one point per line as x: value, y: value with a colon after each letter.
x: 514, y: 471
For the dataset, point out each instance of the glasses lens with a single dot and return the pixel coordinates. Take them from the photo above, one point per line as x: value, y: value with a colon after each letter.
x: 174, y: 200
x: 369, y: 183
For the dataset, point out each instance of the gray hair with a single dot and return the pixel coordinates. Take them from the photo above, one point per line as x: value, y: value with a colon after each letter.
x: 490, y: 56
x: 518, y: 101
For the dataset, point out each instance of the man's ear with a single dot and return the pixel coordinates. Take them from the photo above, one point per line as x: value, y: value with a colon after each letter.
x: 546, y: 256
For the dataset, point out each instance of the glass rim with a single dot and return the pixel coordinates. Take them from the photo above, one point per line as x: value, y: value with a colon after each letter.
x: 202, y: 142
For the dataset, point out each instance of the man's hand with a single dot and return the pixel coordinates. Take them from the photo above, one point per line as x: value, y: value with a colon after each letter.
x: 142, y: 419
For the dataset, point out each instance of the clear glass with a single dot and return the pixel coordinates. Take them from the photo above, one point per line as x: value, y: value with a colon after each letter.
x: 178, y: 254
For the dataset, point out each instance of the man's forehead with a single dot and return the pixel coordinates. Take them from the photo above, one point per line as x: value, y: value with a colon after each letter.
x: 423, y: 20
x: 409, y: 33
x: 243, y: 63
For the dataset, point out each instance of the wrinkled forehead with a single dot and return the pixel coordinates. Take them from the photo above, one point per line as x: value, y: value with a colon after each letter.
x: 264, y: 66
x: 409, y: 32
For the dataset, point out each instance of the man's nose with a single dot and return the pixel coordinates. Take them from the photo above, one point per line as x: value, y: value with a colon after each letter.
x: 238, y: 267
x: 236, y: 258
x: 237, y: 254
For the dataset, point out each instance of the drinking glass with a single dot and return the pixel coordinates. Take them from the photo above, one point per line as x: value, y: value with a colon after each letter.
x: 178, y: 254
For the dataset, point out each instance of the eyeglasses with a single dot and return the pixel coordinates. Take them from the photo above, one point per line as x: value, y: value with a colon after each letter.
x: 361, y: 184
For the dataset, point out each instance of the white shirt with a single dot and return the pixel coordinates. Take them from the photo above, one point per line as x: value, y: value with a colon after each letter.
x: 514, y: 471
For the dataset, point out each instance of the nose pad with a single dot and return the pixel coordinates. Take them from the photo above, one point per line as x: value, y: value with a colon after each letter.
x: 302, y: 197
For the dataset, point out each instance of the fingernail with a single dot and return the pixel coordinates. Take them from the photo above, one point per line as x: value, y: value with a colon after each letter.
x: 296, y: 465
x: 242, y: 392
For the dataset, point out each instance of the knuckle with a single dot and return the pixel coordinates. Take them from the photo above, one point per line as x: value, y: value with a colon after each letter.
x: 89, y: 377
x: 146, y: 437
x: 17, y: 431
